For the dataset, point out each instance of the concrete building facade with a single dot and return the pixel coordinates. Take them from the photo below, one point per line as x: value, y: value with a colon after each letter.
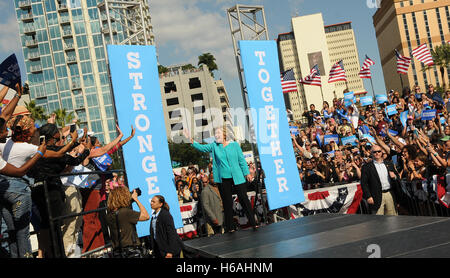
x: 325, y: 45
x: 405, y: 25
x: 342, y: 46
x: 192, y: 99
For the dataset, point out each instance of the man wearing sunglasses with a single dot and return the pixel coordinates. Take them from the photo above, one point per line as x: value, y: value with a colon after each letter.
x: 378, y: 183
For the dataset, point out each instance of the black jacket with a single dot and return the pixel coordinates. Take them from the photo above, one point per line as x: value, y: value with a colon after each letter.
x: 46, y: 168
x: 167, y: 237
x: 371, y: 184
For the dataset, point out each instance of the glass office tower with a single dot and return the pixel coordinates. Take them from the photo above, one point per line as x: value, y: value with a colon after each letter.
x: 65, y: 59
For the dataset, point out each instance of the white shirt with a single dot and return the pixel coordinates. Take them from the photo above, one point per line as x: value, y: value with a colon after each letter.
x: 383, y: 174
x: 17, y: 153
x: 2, y: 163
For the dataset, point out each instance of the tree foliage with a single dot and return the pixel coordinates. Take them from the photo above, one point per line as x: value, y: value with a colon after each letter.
x: 209, y: 60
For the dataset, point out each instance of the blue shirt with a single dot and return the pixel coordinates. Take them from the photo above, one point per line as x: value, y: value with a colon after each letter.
x: 223, y: 165
x: 155, y: 217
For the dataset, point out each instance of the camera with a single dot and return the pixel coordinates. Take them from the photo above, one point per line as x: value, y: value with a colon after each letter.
x: 138, y: 191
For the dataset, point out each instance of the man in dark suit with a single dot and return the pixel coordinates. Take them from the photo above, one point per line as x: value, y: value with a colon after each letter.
x: 164, y: 238
x: 379, y: 184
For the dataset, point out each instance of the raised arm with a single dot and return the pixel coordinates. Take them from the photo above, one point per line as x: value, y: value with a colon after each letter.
x: 9, y: 109
x: 133, y: 131
x: 11, y: 170
x: 102, y: 150
x: 3, y: 93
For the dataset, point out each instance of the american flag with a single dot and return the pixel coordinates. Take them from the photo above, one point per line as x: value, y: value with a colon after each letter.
x: 288, y: 82
x: 365, y: 70
x: 313, y: 78
x: 402, y: 63
x: 337, y: 73
x: 423, y: 54
x: 368, y: 62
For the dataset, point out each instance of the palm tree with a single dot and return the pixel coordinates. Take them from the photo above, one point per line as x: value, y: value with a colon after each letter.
x: 441, y: 58
x: 37, y: 112
x: 162, y: 69
x: 62, y: 118
x: 208, y: 60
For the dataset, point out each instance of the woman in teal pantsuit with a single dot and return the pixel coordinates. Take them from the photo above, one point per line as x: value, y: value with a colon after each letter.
x: 229, y: 170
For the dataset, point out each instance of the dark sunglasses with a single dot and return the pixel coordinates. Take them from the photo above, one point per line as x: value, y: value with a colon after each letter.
x: 376, y: 152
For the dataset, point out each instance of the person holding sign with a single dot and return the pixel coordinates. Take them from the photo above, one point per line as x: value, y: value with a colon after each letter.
x: 229, y: 170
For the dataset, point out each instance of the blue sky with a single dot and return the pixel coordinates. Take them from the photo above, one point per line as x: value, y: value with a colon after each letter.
x: 184, y: 29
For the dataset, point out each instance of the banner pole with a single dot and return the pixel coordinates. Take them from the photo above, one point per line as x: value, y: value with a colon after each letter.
x: 373, y: 91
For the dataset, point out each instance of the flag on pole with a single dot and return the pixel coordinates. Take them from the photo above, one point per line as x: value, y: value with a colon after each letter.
x: 337, y: 73
x: 365, y: 70
x: 365, y: 73
x: 423, y: 54
x: 313, y: 78
x: 402, y: 63
x: 10, y: 72
x: 288, y: 82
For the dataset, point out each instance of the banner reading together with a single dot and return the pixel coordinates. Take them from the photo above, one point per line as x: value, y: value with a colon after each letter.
x: 137, y: 96
x: 262, y: 76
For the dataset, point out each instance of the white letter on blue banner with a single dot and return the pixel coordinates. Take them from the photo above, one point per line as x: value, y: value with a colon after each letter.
x: 137, y: 97
x: 262, y: 76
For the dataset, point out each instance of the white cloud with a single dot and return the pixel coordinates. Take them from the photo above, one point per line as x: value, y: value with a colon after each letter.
x: 9, y: 39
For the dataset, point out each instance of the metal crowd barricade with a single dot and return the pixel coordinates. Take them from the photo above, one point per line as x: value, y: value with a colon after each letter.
x: 57, y: 239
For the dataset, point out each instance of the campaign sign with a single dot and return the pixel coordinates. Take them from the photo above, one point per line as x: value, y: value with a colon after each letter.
x: 428, y: 115
x: 391, y: 110
x: 328, y: 138
x: 349, y: 140
x: 365, y: 101
x: 262, y: 76
x: 404, y: 118
x: 381, y: 99
x: 370, y: 138
x: 137, y: 95
x: 10, y: 72
x: 294, y: 130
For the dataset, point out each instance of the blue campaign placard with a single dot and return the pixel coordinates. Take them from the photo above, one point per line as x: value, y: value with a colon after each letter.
x: 137, y: 96
x: 365, y: 101
x: 262, y: 76
x: 331, y: 137
x: 404, y: 118
x: 349, y: 140
x: 428, y: 115
x: 381, y: 99
x: 391, y: 110
x: 294, y: 130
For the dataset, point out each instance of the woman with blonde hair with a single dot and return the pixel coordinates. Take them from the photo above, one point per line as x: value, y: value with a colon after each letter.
x: 122, y: 222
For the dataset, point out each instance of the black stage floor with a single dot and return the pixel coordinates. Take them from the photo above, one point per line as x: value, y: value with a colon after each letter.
x: 333, y: 236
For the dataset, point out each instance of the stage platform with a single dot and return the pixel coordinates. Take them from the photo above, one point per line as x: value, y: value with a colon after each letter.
x: 333, y: 236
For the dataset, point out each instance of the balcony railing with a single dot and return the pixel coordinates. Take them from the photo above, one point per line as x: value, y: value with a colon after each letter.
x: 62, y: 7
x: 36, y: 68
x: 33, y: 56
x: 25, y: 4
x: 31, y: 43
x: 65, y: 20
x: 26, y: 17
x: 29, y: 30
x: 69, y: 46
x: 71, y: 59
x: 67, y: 33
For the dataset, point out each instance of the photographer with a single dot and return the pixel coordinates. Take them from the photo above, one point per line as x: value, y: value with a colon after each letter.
x: 122, y: 220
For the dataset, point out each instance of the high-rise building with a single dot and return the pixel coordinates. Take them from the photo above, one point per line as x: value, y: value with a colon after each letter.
x: 64, y: 50
x: 405, y: 25
x: 192, y: 99
x: 312, y: 43
x: 342, y: 46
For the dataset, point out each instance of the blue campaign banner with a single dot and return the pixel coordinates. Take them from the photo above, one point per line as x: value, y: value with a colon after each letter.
x: 349, y: 96
x: 381, y: 99
x: 349, y: 140
x: 391, y: 110
x: 404, y: 118
x: 365, y: 101
x: 294, y: 130
x: 370, y: 138
x: 428, y: 115
x: 328, y: 138
x: 10, y: 72
x: 262, y: 76
x: 137, y: 96
x: 393, y: 132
